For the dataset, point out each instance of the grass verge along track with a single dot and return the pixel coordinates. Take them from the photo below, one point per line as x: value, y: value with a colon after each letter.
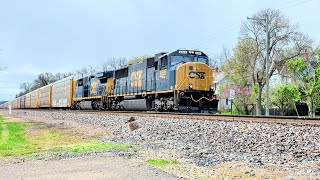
x: 20, y: 138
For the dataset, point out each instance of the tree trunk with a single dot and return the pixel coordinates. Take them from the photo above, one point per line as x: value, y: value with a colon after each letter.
x: 311, y: 107
x: 295, y: 108
x: 246, y: 110
x: 258, y: 105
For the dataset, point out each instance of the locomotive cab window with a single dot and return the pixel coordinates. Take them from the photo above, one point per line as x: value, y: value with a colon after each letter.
x: 163, y: 62
x: 80, y: 82
x: 201, y: 59
x: 178, y: 59
x: 156, y: 65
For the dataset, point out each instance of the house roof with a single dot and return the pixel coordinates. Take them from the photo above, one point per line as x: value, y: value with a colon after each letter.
x: 218, y: 76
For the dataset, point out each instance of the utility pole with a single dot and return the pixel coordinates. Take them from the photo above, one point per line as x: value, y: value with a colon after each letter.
x: 311, y: 73
x: 267, y: 65
x: 267, y: 59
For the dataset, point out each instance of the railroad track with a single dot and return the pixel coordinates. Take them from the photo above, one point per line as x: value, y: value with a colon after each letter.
x: 202, y: 116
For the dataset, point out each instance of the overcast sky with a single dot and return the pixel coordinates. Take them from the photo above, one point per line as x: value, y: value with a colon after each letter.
x: 64, y: 35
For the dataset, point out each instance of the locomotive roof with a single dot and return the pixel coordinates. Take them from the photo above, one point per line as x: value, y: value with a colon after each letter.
x: 183, y: 51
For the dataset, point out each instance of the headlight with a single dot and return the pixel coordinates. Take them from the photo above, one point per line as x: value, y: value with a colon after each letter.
x: 190, y: 86
x: 211, y: 87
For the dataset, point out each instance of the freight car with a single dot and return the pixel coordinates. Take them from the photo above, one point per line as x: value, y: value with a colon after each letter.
x: 175, y: 81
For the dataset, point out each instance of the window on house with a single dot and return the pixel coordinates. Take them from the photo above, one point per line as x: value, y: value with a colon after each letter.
x: 227, y: 101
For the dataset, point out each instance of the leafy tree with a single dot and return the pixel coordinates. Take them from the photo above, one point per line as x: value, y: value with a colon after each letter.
x: 138, y: 59
x: 237, y: 69
x: 306, y: 72
x: 43, y: 79
x: 286, y: 42
x: 285, y: 97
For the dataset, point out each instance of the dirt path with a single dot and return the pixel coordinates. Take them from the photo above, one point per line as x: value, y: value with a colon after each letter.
x: 102, y: 167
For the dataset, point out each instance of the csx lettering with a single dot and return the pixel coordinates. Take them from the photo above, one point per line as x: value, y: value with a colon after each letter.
x: 135, y: 77
x: 195, y: 74
x: 163, y: 73
x: 93, y: 88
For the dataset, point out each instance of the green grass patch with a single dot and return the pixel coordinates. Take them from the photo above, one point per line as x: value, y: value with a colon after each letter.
x: 1, y: 128
x: 18, y: 138
x: 13, y: 141
x: 161, y: 162
x: 91, y: 146
x: 2, y: 118
x: 47, y: 138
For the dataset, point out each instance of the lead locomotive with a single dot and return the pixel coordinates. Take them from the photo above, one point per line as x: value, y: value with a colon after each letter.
x: 176, y: 81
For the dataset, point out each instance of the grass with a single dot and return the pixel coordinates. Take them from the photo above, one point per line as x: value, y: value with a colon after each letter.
x: 91, y: 146
x: 47, y: 138
x: 13, y: 141
x: 18, y: 138
x: 161, y: 162
x: 1, y: 128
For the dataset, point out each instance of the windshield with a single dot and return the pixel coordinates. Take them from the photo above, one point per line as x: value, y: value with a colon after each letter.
x: 202, y: 59
x: 176, y: 59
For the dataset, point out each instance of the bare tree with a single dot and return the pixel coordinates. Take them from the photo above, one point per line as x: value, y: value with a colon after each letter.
x: 3, y: 68
x: 91, y: 70
x: 113, y: 63
x: 25, y: 88
x: 286, y: 42
x: 85, y: 71
x: 105, y: 66
x: 219, y: 59
x: 59, y: 76
x: 82, y: 72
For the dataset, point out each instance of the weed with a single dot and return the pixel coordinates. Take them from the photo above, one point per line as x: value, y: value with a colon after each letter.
x: 161, y: 162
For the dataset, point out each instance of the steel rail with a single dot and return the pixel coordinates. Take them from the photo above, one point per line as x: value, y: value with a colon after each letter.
x: 202, y: 116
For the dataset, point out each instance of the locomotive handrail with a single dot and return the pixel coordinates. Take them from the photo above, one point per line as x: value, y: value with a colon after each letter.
x: 202, y: 98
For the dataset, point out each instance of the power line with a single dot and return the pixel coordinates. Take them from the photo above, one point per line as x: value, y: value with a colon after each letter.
x: 203, y: 44
x: 296, y: 4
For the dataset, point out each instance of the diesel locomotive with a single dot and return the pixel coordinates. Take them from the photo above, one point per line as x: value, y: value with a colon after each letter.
x: 176, y: 81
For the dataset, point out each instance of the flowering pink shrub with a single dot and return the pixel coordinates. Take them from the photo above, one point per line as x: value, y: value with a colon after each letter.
x: 240, y: 92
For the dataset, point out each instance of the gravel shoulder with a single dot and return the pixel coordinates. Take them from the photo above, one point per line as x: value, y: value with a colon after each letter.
x: 101, y: 167
x: 204, y: 149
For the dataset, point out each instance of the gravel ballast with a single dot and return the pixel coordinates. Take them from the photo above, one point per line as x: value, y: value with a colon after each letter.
x: 208, y: 143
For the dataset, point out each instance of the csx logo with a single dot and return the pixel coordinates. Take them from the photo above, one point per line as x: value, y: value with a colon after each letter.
x: 195, y: 74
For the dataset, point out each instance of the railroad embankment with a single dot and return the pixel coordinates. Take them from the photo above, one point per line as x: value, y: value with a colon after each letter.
x: 202, y: 148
